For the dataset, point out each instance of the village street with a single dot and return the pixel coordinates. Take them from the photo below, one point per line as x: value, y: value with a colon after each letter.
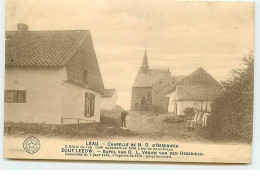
x: 154, y: 127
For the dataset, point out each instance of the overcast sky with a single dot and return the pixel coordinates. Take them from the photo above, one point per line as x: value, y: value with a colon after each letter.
x: 180, y: 35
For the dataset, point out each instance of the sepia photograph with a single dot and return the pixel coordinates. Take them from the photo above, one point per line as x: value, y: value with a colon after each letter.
x: 132, y: 80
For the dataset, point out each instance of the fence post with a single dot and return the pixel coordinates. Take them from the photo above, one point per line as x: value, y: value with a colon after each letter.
x: 61, y: 121
x: 78, y: 129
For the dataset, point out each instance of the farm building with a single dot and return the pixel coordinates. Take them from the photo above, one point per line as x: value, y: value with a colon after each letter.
x: 198, y: 90
x: 51, y: 75
x: 108, y: 99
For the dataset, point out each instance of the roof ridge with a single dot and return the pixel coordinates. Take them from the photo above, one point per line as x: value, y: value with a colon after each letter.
x: 190, y: 75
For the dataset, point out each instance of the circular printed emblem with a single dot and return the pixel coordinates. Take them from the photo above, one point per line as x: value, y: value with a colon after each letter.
x: 31, y: 144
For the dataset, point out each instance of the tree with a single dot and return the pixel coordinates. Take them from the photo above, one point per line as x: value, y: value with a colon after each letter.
x: 232, y: 112
x: 189, y: 111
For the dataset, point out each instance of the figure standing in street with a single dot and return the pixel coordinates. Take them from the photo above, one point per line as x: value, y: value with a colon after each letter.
x: 190, y: 123
x: 123, y: 116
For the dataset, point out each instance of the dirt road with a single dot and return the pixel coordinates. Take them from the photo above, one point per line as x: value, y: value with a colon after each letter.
x: 154, y: 127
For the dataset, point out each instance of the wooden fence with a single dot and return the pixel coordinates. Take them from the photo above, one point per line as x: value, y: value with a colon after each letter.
x: 77, y: 122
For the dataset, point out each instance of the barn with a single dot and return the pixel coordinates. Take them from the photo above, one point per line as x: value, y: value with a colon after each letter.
x: 198, y: 91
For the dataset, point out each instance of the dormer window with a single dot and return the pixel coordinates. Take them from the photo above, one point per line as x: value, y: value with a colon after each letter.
x: 85, y: 77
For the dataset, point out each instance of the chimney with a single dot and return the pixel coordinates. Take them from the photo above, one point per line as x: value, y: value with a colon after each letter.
x: 22, y: 27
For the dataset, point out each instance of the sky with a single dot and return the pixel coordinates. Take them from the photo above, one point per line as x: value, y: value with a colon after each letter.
x: 182, y: 36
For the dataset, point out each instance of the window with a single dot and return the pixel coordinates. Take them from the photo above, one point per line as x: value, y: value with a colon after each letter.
x: 9, y: 96
x: 85, y: 77
x: 89, y: 105
x: 15, y: 96
x: 21, y: 96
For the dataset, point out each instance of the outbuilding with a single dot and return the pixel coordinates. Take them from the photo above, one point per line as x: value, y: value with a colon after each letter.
x: 198, y: 91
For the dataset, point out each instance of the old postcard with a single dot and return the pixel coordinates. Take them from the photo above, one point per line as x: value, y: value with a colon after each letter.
x: 146, y: 80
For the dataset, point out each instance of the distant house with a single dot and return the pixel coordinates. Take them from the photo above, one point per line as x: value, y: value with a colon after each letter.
x: 51, y: 75
x: 142, y: 87
x: 108, y: 99
x: 198, y: 90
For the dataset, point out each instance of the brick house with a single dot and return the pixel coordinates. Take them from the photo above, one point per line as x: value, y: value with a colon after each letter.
x: 51, y: 75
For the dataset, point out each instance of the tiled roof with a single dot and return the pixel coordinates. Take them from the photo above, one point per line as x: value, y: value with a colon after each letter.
x: 178, y: 78
x: 198, y: 93
x: 41, y: 48
x: 53, y: 48
x: 198, y: 78
x: 108, y: 93
x: 146, y: 78
x: 199, y: 86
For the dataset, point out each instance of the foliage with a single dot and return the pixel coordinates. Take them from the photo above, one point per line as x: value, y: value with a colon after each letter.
x: 110, y: 117
x: 174, y: 119
x: 149, y: 108
x: 110, y: 121
x: 188, y: 111
x: 232, y: 112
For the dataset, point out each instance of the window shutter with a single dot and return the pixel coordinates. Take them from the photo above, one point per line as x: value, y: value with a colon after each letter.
x: 89, y: 105
x: 85, y: 107
x: 92, y: 113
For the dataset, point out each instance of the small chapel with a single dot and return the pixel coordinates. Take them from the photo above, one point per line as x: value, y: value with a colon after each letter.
x: 151, y: 85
